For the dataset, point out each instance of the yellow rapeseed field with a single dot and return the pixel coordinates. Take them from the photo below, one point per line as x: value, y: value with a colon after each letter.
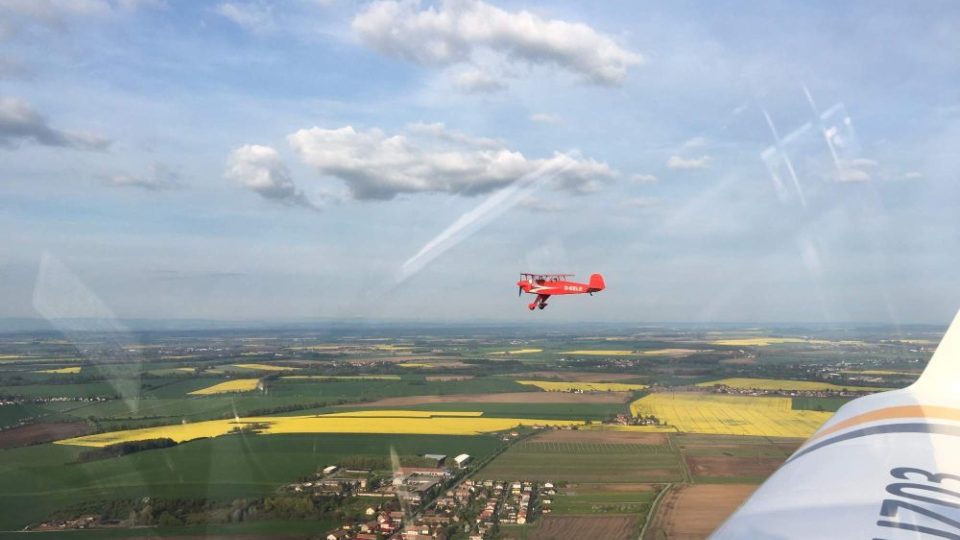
x: 519, y: 351
x: 71, y: 369
x: 390, y: 422
x: 784, y: 384
x: 265, y: 367
x: 730, y: 415
x: 392, y: 348
x: 600, y: 352
x: 236, y: 385
x: 765, y: 341
x: 414, y: 365
x: 342, y: 377
x: 669, y: 352
x: 575, y: 386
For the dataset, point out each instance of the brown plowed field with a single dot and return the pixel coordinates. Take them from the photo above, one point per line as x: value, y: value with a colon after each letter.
x: 509, y: 397
x: 586, y: 528
x: 729, y: 466
x: 41, y: 433
x: 692, y: 512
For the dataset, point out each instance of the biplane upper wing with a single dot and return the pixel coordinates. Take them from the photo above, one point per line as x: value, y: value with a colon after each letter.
x: 885, y: 466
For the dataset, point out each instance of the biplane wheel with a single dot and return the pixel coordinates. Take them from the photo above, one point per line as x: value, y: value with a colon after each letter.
x: 532, y: 306
x: 543, y: 305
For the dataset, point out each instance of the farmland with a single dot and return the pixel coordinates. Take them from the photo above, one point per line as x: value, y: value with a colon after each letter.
x: 730, y: 415
x: 694, y: 511
x: 631, y: 417
x: 265, y: 367
x: 236, y: 385
x: 782, y: 384
x: 379, y: 422
x: 608, y: 527
x: 580, y: 386
x: 39, y: 479
x: 70, y: 369
x: 589, y: 457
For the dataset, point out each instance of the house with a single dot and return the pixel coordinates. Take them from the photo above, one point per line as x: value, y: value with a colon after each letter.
x: 436, y: 459
x: 462, y: 460
x: 338, y: 534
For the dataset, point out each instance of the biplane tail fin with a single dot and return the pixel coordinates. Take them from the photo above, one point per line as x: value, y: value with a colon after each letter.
x: 596, y: 283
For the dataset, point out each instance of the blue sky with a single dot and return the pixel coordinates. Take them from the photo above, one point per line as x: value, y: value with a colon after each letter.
x: 717, y: 161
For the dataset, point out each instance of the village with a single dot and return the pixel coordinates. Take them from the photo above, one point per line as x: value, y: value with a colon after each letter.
x: 429, y: 503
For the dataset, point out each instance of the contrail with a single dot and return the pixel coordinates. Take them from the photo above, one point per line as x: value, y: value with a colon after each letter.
x: 473, y: 220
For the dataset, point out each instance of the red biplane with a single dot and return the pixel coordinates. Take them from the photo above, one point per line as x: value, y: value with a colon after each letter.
x: 547, y: 285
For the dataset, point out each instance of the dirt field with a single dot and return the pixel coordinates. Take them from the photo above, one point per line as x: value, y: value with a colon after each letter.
x: 41, y: 433
x: 610, y: 437
x: 692, y: 512
x: 586, y: 528
x: 577, y: 376
x: 731, y: 466
x: 509, y: 397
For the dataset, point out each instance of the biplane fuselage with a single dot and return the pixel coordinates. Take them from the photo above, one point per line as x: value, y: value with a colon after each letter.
x: 547, y: 285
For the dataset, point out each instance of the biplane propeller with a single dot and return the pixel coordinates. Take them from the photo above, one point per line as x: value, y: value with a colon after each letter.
x: 547, y: 285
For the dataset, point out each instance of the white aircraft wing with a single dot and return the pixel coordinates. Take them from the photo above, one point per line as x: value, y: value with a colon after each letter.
x: 885, y: 466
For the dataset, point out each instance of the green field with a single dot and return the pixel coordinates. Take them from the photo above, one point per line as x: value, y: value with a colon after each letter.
x: 11, y: 414
x: 830, y: 404
x: 253, y: 529
x: 64, y: 389
x: 36, y: 480
x: 368, y: 390
x: 585, y: 462
x: 588, y: 499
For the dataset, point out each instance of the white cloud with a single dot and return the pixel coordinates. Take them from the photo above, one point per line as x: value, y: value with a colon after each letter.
x: 375, y: 165
x: 260, y: 169
x: 441, y: 132
x: 912, y: 175
x: 459, y: 30
x: 644, y: 178
x: 543, y: 118
x: 157, y: 178
x: 850, y: 174
x: 256, y: 17
x: 476, y: 81
x: 853, y: 170
x: 680, y: 163
x: 19, y: 122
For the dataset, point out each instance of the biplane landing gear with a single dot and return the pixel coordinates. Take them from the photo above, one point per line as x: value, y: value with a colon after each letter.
x: 543, y: 305
x: 533, y: 306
